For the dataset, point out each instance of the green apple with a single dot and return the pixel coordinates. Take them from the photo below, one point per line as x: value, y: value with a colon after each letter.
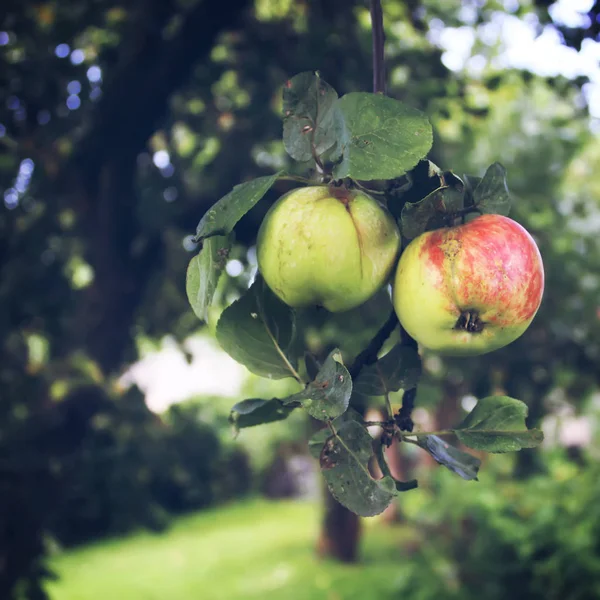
x: 327, y: 246
x: 469, y: 289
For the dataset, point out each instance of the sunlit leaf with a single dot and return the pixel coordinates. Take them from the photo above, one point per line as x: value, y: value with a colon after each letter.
x: 382, y: 138
x: 203, y: 273
x: 222, y: 217
x: 497, y: 424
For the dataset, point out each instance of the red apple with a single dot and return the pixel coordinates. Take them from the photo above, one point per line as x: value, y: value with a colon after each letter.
x: 469, y: 289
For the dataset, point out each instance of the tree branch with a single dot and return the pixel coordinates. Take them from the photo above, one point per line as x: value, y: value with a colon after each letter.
x: 369, y: 355
x: 404, y: 417
x: 378, y: 47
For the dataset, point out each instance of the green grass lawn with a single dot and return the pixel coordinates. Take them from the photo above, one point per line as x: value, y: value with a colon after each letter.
x: 257, y: 549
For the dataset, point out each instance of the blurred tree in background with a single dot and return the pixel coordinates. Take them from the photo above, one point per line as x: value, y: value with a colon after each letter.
x: 122, y: 122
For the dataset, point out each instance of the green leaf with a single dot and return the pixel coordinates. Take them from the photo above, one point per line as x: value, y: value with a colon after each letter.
x: 256, y: 411
x: 471, y: 183
x: 344, y: 459
x: 491, y: 196
x: 312, y: 365
x: 463, y: 464
x: 381, y: 137
x: 497, y: 424
x: 258, y: 331
x: 316, y: 442
x: 430, y: 212
x: 400, y: 368
x: 222, y: 217
x: 328, y: 396
x: 203, y: 274
x: 425, y: 178
x: 310, y: 113
x: 401, y: 486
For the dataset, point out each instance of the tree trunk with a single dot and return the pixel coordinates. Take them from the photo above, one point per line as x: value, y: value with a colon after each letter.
x: 101, y: 173
x: 340, y: 531
x: 397, y: 463
x: 339, y: 537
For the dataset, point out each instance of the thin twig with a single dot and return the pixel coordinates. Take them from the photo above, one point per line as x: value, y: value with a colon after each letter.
x: 378, y: 46
x: 376, y: 423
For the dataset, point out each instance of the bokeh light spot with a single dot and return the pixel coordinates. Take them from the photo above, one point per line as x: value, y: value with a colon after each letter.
x: 161, y: 159
x: 77, y: 56
x: 74, y: 87
x: 94, y: 74
x: 73, y: 102
x: 62, y: 50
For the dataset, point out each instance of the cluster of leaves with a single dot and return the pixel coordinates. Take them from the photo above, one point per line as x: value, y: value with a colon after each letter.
x: 372, y: 142
x: 452, y: 198
x: 521, y: 535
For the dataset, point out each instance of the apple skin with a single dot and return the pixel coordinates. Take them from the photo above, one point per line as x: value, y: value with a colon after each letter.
x: 327, y: 246
x: 469, y: 289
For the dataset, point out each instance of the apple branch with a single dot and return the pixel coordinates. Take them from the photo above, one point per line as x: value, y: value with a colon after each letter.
x: 404, y: 417
x: 378, y: 47
x: 369, y: 355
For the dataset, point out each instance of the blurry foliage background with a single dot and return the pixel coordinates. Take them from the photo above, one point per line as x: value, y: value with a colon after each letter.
x: 122, y: 122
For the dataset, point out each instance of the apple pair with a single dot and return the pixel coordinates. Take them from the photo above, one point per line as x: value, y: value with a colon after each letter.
x: 462, y: 290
